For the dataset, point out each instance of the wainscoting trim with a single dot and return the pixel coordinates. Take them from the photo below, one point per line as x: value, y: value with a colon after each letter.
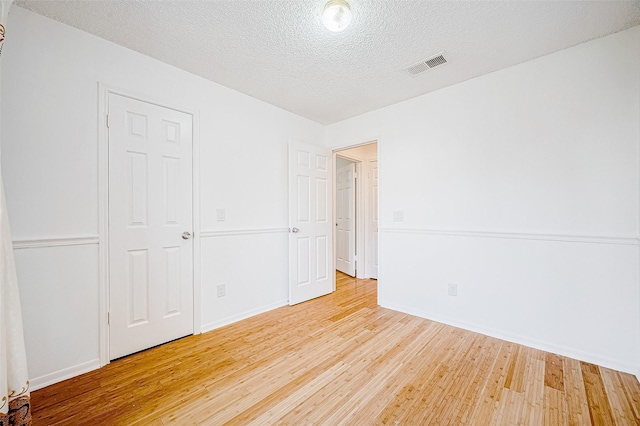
x: 95, y: 239
x: 590, y: 239
x: 234, y: 232
x: 56, y: 242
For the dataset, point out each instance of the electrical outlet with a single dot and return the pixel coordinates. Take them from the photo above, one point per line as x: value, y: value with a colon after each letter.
x: 221, y: 290
x: 398, y: 216
x: 453, y: 289
x: 220, y: 215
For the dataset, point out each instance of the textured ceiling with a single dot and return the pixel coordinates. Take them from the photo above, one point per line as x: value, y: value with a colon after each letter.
x: 278, y: 50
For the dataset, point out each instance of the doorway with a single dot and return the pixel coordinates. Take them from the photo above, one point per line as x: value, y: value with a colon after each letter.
x: 356, y: 210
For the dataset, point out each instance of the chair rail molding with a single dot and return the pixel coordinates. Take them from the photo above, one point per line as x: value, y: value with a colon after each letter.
x: 568, y: 238
x: 31, y: 243
x: 209, y: 233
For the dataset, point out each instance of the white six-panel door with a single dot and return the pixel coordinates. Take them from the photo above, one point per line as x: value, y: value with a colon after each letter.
x: 150, y: 207
x: 345, y: 219
x: 311, y: 272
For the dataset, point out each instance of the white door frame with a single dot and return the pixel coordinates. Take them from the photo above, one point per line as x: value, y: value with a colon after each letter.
x: 367, y: 217
x: 103, y: 207
x: 361, y: 202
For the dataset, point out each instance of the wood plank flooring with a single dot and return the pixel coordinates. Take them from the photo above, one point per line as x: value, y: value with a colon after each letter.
x: 341, y: 359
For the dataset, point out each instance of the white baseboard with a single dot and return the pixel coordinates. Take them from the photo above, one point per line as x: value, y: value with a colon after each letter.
x: 64, y: 374
x: 522, y: 340
x: 243, y: 315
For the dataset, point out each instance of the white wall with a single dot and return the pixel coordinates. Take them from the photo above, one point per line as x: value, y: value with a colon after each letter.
x: 521, y: 187
x: 50, y: 75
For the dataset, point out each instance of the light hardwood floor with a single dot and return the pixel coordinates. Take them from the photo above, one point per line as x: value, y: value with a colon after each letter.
x: 341, y: 359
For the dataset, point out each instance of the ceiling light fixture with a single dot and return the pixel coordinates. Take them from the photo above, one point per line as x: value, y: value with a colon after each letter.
x: 336, y: 15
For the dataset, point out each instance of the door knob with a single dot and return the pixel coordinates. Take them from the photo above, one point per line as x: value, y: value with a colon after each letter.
x: 186, y: 235
x: 295, y: 230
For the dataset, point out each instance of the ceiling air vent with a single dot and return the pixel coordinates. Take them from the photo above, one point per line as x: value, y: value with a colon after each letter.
x: 426, y: 64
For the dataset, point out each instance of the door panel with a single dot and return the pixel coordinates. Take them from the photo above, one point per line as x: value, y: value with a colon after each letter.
x: 345, y: 219
x: 150, y: 206
x: 138, y: 286
x: 310, y: 206
x: 322, y: 251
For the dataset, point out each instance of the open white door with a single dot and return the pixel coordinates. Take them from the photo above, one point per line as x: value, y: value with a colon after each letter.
x: 345, y: 219
x: 311, y: 272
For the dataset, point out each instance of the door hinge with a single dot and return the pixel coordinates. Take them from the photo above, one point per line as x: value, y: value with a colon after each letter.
x: 107, y: 120
x: 108, y: 318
